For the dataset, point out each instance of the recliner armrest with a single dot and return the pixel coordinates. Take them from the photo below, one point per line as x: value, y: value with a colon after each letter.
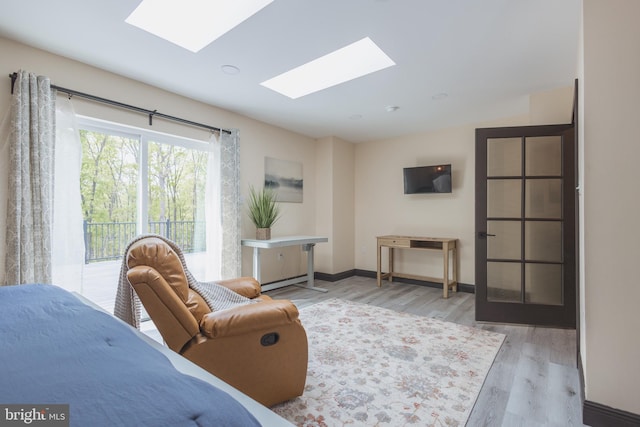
x: 245, y: 286
x: 249, y: 318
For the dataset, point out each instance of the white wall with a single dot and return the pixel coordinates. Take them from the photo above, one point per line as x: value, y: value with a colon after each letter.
x: 344, y: 216
x: 324, y: 204
x: 611, y: 203
x: 257, y: 139
x: 382, y: 208
x: 335, y: 216
x: 551, y: 107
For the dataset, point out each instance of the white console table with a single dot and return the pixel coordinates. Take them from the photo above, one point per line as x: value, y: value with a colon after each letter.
x: 306, y: 242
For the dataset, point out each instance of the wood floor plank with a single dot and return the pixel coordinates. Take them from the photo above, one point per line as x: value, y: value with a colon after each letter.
x: 563, y: 396
x: 528, y: 391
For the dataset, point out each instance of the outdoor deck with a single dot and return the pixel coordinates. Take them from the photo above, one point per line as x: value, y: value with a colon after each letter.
x: 100, y: 279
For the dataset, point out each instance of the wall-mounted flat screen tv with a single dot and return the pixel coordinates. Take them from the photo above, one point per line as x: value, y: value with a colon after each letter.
x: 427, y: 179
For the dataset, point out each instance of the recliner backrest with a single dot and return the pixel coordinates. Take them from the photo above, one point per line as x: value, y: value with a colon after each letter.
x: 156, y: 273
x: 156, y: 253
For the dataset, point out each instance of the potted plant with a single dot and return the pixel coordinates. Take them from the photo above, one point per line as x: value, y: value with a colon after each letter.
x: 263, y: 211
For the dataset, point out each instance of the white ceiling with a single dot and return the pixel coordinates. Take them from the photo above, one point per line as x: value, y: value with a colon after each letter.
x: 487, y: 55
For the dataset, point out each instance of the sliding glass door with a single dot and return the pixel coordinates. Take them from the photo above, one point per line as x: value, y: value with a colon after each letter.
x: 134, y: 182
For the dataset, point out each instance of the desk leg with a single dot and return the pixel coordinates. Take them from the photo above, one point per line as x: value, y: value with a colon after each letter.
x: 445, y: 280
x: 454, y: 251
x: 256, y: 264
x: 379, y: 270
x: 308, y: 248
x: 390, y: 264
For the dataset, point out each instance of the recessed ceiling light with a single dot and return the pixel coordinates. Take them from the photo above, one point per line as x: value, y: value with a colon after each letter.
x: 350, y: 62
x: 439, y: 96
x: 232, y: 70
x: 192, y: 24
x: 391, y: 108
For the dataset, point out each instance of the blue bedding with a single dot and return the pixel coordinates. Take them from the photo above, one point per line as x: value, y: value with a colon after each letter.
x: 54, y: 349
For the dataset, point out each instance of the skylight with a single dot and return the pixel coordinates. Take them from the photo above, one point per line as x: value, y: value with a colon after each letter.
x: 192, y: 24
x: 350, y: 62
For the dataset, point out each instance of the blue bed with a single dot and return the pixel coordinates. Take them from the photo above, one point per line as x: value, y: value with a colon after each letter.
x: 55, y: 349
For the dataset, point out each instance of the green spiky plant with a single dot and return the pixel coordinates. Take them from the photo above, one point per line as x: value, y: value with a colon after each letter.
x: 263, y: 209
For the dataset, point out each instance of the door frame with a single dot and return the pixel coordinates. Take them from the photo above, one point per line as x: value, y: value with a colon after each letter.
x: 520, y: 313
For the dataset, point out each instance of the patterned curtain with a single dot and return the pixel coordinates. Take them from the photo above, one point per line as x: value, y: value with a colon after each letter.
x: 230, y: 203
x: 29, y: 205
x: 4, y: 186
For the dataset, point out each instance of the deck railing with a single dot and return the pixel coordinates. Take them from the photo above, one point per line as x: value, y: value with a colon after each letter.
x: 105, y: 241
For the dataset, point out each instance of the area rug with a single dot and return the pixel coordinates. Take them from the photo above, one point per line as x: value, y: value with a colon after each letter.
x: 370, y: 366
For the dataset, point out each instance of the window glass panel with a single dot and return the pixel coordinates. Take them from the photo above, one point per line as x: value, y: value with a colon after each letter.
x: 108, y: 186
x: 109, y: 197
x: 504, y: 157
x: 543, y: 156
x: 176, y: 194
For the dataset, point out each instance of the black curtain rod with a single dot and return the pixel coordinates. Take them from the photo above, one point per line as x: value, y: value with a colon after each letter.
x: 150, y: 113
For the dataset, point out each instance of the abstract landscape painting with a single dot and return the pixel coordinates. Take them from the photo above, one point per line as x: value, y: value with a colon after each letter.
x: 285, y: 178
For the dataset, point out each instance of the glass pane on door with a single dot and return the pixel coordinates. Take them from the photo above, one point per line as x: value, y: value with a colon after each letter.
x: 177, y: 177
x: 543, y: 198
x: 543, y: 241
x: 504, y: 282
x: 506, y: 240
x: 543, y: 156
x: 504, y: 157
x: 108, y: 186
x: 543, y: 284
x: 504, y: 198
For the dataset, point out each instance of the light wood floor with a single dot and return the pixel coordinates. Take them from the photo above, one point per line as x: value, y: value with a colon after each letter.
x: 533, y: 381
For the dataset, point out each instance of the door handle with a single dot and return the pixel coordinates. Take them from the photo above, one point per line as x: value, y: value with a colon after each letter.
x: 484, y: 235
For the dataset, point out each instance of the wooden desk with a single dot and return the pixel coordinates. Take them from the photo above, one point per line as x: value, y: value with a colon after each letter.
x: 445, y: 245
x: 306, y: 243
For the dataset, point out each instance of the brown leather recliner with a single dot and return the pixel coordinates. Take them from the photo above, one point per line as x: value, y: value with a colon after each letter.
x: 260, y: 349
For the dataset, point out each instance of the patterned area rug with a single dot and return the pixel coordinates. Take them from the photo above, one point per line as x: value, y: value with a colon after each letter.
x: 369, y: 366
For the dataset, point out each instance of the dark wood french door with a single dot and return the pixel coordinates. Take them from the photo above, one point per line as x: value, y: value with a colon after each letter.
x: 525, y: 225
